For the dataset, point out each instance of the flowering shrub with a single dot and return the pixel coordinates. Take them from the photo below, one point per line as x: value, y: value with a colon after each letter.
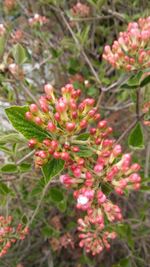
x: 9, y: 234
x: 85, y: 135
x: 92, y: 160
x: 131, y: 50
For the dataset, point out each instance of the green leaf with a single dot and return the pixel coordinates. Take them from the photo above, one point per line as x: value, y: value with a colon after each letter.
x: 83, y: 136
x: 4, y: 189
x: 20, y: 54
x: 145, y: 81
x: 84, y: 152
x: 24, y: 167
x: 24, y: 219
x: 133, y: 82
x: 62, y: 205
x: 84, y: 35
x: 2, y: 45
x: 9, y: 168
x: 52, y: 168
x: 125, y: 263
x: 56, y: 194
x: 47, y: 231
x: 29, y: 129
x: 135, y: 79
x: 136, y: 138
x: 11, y: 138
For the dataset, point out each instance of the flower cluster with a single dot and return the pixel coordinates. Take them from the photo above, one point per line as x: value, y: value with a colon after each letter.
x: 80, y: 10
x: 93, y: 239
x: 93, y: 161
x: 131, y: 51
x: 10, y: 234
x: 17, y: 36
x: 63, y: 119
x: 38, y: 19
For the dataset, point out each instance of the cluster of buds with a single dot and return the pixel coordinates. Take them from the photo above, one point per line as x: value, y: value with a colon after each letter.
x: 2, y: 30
x: 146, y: 110
x: 93, y: 239
x: 17, y: 36
x: 73, y: 128
x: 131, y: 51
x: 38, y: 20
x: 80, y: 10
x: 10, y: 234
x: 63, y: 119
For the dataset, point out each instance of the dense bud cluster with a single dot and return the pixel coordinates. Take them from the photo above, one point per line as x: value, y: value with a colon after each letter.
x: 10, y: 234
x: 81, y: 10
x: 73, y: 129
x: 38, y: 19
x: 17, y: 36
x: 93, y: 239
x: 131, y: 51
x: 63, y: 119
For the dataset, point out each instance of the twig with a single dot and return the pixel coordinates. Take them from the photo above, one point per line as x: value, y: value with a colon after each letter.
x: 138, y: 103
x: 25, y: 157
x: 29, y: 93
x: 39, y: 203
x: 91, y: 18
x: 81, y: 49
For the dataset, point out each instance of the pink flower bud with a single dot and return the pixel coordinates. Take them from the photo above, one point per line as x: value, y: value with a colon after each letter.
x: 135, y: 167
x: 38, y: 121
x: 135, y: 178
x: 137, y: 186
x: 81, y: 161
x: 77, y: 172
x: 54, y: 144
x: 97, y: 117
x: 42, y: 154
x: 47, y: 142
x: 48, y: 88
x: 75, y: 149
x: 57, y: 116
x: 28, y: 116
x: 102, y: 124
x: 117, y: 150
x: 51, y: 127
x: 61, y: 106
x: 33, y: 108
x: 83, y: 124
x: 98, y: 168
x: 32, y: 143
x: 70, y: 126
x: 88, y: 175
x: 74, y: 114
x: 92, y: 131
x: 65, y: 156
x: 56, y: 155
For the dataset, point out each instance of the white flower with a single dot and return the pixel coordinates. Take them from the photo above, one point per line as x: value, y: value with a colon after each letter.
x: 82, y: 200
